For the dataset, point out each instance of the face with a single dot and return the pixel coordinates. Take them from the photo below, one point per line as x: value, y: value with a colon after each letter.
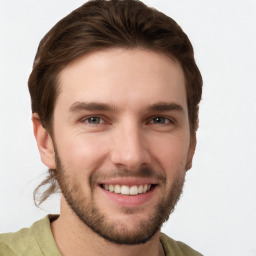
x: 122, y: 141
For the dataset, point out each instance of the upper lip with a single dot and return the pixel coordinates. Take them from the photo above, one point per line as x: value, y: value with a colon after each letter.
x: 129, y: 181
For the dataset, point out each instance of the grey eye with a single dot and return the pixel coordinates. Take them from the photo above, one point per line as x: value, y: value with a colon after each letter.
x: 94, y: 120
x: 160, y: 120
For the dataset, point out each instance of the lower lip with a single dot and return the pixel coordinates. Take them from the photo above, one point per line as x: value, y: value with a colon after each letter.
x: 129, y: 201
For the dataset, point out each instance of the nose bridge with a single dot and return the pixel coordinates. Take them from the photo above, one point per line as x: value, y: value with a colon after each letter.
x: 129, y: 146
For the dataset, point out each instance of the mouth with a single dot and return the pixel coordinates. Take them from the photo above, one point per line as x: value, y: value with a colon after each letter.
x: 129, y: 191
x: 132, y: 190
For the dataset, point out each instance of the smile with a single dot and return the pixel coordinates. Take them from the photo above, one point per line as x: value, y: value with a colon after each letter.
x: 126, y: 190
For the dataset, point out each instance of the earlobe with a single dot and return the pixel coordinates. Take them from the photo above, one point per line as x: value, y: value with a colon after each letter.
x: 191, y: 152
x: 44, y: 142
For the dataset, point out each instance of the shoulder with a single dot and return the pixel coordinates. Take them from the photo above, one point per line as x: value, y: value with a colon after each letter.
x: 177, y: 248
x: 10, y: 242
x: 16, y: 243
x: 5, y: 250
x: 25, y: 241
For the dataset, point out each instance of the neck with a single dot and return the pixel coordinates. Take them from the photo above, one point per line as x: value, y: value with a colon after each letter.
x: 73, y: 237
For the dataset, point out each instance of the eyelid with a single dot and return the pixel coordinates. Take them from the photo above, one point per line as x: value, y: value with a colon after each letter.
x: 87, y: 120
x: 103, y: 119
x: 170, y: 119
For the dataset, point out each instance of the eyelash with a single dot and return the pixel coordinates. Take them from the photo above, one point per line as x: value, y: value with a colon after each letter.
x: 169, y: 121
x: 151, y: 120
x: 101, y: 120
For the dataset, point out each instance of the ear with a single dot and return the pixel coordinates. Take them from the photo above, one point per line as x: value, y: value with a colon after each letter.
x: 44, y: 143
x: 191, y: 152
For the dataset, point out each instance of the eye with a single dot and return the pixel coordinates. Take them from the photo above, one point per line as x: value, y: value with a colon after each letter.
x: 94, y: 120
x: 160, y: 120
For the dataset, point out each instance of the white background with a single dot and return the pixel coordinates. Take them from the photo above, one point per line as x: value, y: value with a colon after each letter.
x: 217, y: 213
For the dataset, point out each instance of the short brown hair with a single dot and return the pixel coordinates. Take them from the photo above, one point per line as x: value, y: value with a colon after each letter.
x: 102, y: 24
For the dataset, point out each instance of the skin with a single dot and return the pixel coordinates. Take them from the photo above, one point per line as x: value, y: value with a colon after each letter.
x: 130, y: 134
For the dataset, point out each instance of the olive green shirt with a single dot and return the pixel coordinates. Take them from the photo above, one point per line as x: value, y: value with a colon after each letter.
x: 38, y: 241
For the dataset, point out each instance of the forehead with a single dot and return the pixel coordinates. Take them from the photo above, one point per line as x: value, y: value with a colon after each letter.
x: 122, y: 77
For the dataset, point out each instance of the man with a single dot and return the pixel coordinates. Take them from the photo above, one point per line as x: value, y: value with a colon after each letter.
x: 115, y: 93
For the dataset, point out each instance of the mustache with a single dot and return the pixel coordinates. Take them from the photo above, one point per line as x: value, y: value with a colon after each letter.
x: 122, y: 172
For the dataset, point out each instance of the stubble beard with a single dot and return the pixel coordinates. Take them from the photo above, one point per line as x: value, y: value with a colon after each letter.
x: 112, y: 230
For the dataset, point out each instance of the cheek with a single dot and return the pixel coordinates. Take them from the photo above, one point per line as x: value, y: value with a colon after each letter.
x: 171, y: 149
x: 82, y: 154
x: 171, y: 154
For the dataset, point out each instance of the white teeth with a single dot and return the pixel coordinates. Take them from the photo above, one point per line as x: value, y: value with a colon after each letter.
x: 126, y: 190
x: 111, y: 188
x: 117, y: 189
x: 134, y: 190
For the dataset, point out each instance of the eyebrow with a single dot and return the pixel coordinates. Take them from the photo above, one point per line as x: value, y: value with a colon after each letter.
x: 165, y: 106
x: 91, y: 106
x: 96, y: 106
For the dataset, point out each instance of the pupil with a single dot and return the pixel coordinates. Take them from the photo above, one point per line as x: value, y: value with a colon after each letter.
x: 159, y: 120
x: 94, y: 120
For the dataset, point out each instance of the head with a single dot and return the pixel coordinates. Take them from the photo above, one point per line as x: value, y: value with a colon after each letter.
x: 110, y: 28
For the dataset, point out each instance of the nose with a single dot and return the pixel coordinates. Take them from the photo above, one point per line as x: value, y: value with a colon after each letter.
x: 129, y: 147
